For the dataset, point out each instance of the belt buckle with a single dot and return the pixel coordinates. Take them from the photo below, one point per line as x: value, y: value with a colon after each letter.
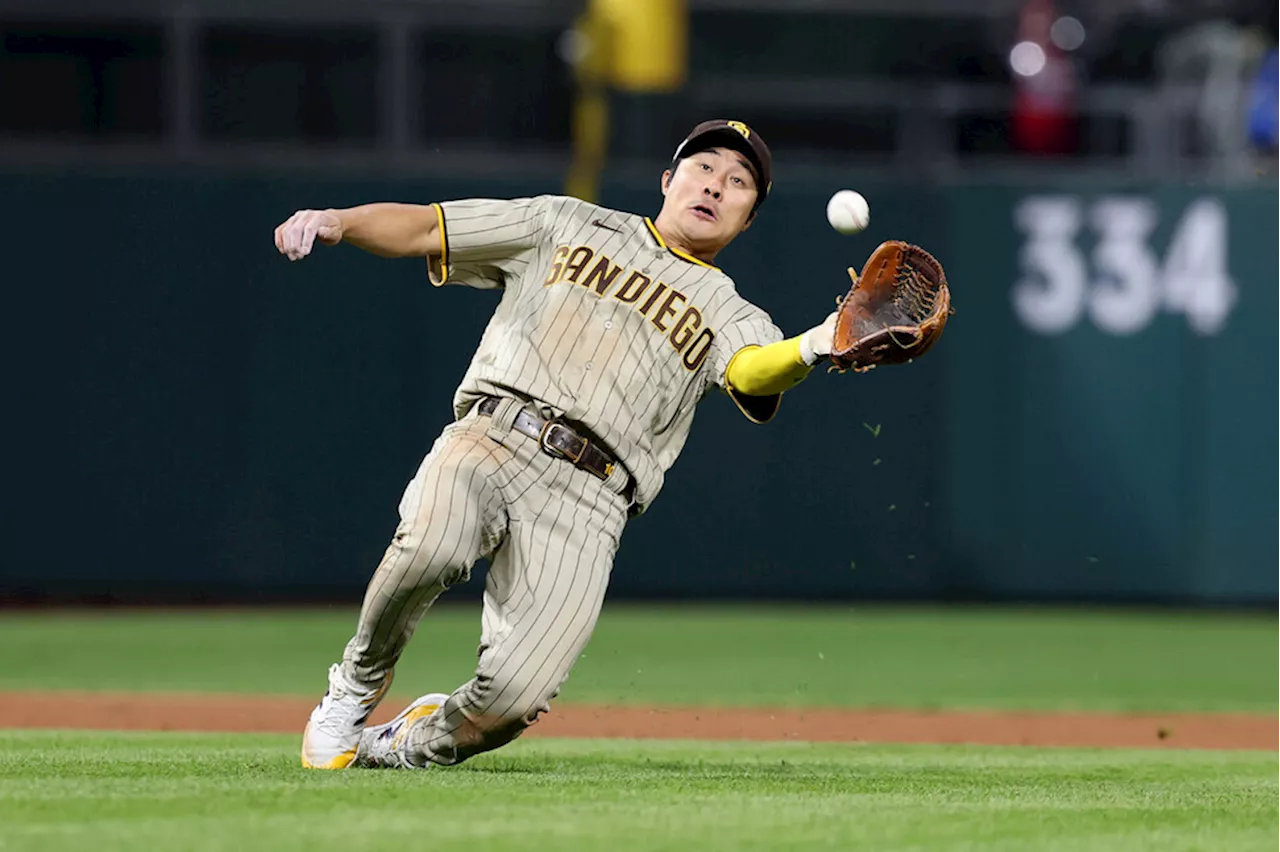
x: 544, y: 441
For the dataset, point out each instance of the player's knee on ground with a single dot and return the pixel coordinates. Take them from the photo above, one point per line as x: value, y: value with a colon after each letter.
x: 486, y: 715
x: 513, y: 700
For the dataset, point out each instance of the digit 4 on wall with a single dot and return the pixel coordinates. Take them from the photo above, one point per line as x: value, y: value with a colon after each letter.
x: 1121, y: 286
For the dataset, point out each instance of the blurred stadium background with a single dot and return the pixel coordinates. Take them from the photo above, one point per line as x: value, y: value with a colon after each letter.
x: 195, y: 420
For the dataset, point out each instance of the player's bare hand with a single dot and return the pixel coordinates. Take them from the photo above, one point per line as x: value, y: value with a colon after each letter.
x: 296, y: 236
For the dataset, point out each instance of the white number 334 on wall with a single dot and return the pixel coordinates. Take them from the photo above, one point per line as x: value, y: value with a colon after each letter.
x: 1123, y: 285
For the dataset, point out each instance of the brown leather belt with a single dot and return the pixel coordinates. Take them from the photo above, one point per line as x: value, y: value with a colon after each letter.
x: 558, y: 439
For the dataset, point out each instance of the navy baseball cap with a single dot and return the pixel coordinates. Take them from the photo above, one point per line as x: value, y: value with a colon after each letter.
x: 722, y: 133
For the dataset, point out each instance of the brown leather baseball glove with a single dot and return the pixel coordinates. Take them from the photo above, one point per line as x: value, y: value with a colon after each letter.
x: 895, y: 310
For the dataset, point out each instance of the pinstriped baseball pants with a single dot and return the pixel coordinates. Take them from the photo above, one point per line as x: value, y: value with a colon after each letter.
x: 550, y: 531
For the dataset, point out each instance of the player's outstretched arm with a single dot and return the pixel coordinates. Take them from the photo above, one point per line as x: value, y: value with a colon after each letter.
x: 778, y: 367
x: 387, y: 229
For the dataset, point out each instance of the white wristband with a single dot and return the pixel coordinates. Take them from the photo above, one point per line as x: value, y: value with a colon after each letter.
x: 807, y: 354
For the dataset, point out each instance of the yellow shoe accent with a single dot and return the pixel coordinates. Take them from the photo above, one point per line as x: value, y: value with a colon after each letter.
x: 337, y: 703
x: 418, y: 713
x: 342, y: 761
x: 382, y: 690
x: 383, y: 746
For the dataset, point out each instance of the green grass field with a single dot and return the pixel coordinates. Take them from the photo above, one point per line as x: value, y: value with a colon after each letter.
x: 829, y: 657
x: 108, y: 792
x: 91, y: 790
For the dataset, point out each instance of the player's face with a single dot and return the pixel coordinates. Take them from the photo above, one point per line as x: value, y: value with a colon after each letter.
x: 710, y: 196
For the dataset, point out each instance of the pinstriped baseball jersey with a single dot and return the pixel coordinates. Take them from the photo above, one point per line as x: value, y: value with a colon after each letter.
x: 599, y: 321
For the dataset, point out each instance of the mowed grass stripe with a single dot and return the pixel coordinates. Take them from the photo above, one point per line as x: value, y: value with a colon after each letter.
x: 131, y: 791
x: 864, y: 657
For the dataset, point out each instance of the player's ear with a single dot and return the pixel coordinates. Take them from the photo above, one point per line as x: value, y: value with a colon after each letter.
x: 666, y: 181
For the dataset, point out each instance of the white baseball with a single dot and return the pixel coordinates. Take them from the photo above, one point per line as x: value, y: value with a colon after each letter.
x: 848, y: 212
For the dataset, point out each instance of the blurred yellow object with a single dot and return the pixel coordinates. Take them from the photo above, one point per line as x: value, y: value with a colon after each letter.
x: 649, y: 44
x: 634, y: 46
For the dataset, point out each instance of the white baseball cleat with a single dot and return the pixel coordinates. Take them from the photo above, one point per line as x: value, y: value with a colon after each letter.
x: 333, y: 732
x: 383, y: 746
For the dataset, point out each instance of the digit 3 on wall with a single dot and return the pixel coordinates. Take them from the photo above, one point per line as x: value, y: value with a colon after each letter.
x: 1121, y: 283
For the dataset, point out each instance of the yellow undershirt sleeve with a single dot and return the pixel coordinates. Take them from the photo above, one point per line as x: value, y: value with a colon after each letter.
x: 766, y: 370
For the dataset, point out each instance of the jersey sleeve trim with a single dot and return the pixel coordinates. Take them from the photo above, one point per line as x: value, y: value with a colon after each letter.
x: 757, y: 409
x: 438, y: 280
x: 653, y: 229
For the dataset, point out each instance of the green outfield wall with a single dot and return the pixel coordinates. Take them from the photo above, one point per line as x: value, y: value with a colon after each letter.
x: 194, y: 417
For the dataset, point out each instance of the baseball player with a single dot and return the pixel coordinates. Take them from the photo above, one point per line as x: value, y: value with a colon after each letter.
x: 610, y: 329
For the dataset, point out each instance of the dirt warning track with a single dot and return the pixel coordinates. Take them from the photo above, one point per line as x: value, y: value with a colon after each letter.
x: 276, y: 714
